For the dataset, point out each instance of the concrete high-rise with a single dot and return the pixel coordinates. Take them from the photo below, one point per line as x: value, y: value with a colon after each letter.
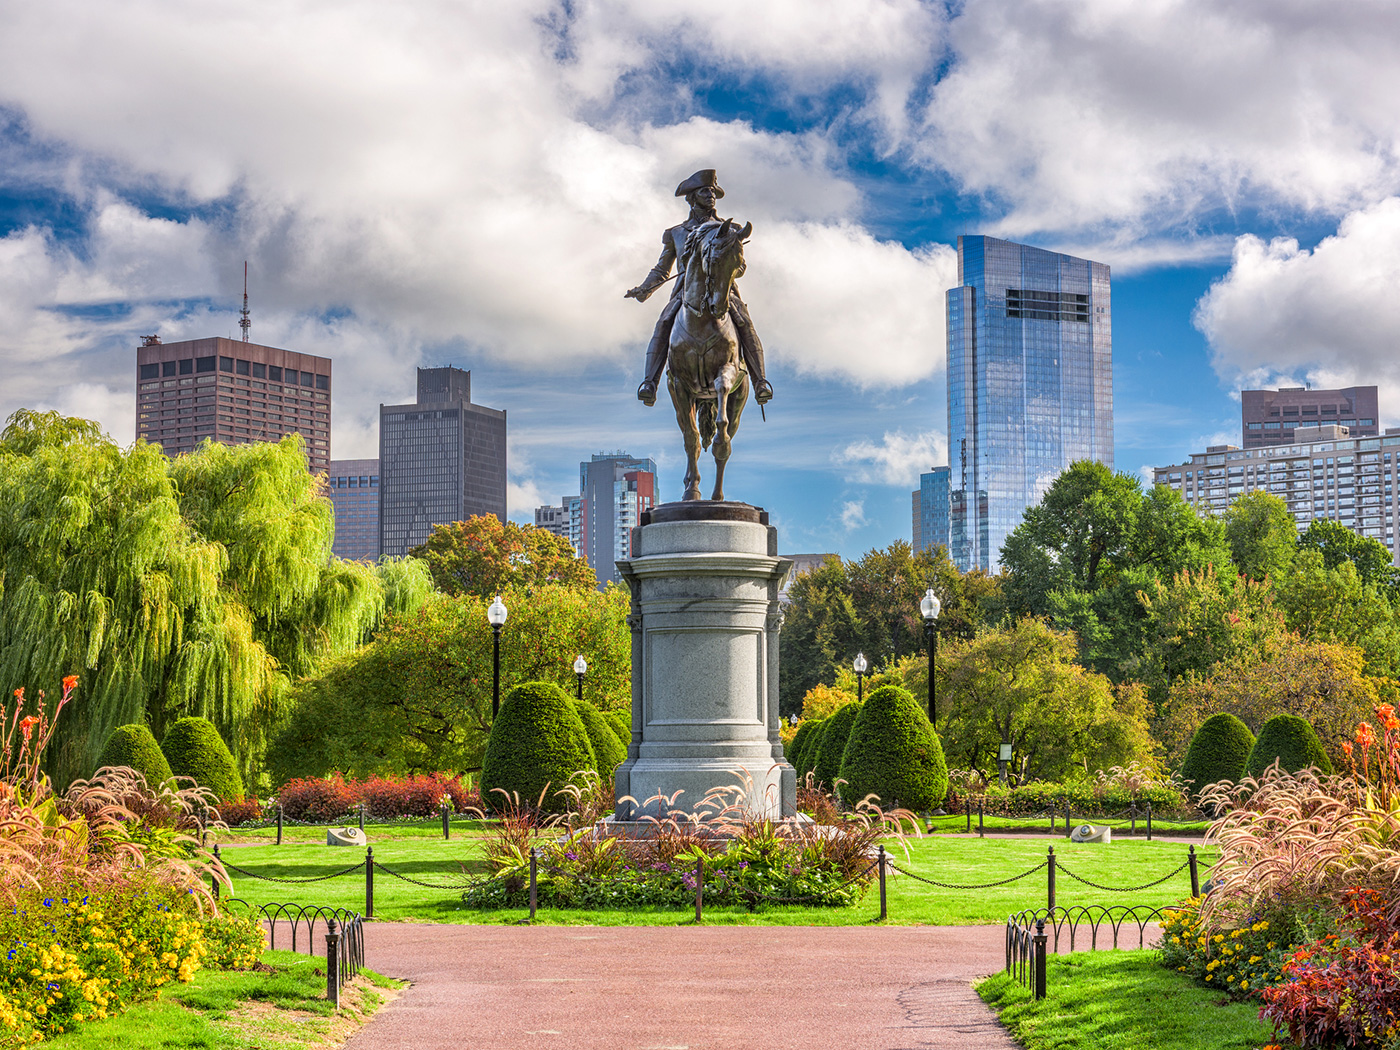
x: 1030, y: 385
x: 353, y: 486
x: 441, y: 459
x: 1271, y: 417
x: 614, y: 489
x: 233, y: 393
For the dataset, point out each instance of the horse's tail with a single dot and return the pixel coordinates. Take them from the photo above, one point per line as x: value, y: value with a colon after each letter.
x: 706, y: 411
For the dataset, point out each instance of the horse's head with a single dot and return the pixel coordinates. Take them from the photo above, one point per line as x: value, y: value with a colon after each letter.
x: 723, y: 262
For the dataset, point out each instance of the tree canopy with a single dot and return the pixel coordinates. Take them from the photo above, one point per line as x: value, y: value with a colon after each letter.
x: 485, y: 556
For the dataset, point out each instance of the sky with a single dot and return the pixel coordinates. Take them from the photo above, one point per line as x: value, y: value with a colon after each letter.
x: 477, y: 183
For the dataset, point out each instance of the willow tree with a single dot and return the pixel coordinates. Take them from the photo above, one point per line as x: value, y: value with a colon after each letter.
x: 198, y: 586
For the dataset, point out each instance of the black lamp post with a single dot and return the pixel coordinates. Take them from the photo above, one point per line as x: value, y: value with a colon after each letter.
x: 496, y: 617
x: 580, y: 669
x: 860, y: 664
x: 930, y: 607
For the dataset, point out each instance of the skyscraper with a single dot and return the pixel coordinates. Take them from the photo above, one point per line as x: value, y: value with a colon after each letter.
x: 442, y: 459
x: 1030, y: 385
x: 931, y: 510
x: 353, y: 486
x: 615, y: 489
x: 233, y: 393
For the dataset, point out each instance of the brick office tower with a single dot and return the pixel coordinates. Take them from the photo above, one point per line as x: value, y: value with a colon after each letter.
x: 1271, y: 417
x: 441, y: 460
x: 232, y: 393
x: 353, y: 487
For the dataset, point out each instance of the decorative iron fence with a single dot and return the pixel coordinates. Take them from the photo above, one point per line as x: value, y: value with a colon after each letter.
x: 344, y: 937
x: 1027, y: 939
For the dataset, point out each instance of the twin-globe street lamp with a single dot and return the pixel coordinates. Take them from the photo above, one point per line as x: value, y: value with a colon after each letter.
x: 496, y: 617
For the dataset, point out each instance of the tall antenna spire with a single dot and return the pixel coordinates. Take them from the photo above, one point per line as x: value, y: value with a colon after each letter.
x: 243, y: 321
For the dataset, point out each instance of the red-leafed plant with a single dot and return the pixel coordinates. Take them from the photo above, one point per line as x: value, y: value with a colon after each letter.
x: 316, y: 799
x: 243, y: 811
x: 1344, y: 990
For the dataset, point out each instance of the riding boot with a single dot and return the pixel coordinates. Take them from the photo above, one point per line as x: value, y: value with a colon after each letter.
x: 752, y: 349
x: 657, y: 351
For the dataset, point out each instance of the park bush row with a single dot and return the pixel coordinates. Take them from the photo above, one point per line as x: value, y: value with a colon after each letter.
x: 192, y: 748
x: 324, y: 799
x: 1086, y: 797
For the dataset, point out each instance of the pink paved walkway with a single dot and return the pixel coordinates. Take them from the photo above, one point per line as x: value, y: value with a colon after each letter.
x: 684, y: 988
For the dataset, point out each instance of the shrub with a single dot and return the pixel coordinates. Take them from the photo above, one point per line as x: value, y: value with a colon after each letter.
x: 1242, y: 960
x: 317, y: 799
x: 1218, y: 750
x: 194, y: 749
x: 607, y: 746
x: 537, y: 745
x: 135, y: 746
x: 414, y: 796
x: 1291, y: 741
x: 893, y: 753
x: 808, y: 758
x: 827, y: 761
x: 794, y: 750
x: 246, y: 811
x: 621, y: 728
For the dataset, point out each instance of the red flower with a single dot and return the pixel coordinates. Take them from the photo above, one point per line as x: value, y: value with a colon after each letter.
x: 1346, y: 748
x: 70, y: 681
x: 26, y: 725
x: 1365, y: 735
x: 19, y: 694
x: 1385, y: 711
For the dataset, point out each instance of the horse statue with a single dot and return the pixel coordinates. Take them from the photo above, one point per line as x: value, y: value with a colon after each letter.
x: 705, y: 373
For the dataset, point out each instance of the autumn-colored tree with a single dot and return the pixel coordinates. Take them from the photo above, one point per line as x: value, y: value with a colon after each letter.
x: 485, y: 556
x: 1322, y: 682
x: 822, y: 701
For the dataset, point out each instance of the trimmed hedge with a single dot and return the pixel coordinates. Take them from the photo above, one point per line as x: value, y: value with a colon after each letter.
x: 618, y: 726
x: 811, y: 748
x: 1218, y: 750
x: 538, y: 741
x: 1086, y: 797
x: 892, y: 752
x: 135, y: 746
x: 194, y: 749
x: 608, y: 749
x: 1292, y: 741
x: 793, y: 752
x: 827, y: 761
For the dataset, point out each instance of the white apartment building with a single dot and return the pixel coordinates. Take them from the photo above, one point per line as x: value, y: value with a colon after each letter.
x: 1326, y: 473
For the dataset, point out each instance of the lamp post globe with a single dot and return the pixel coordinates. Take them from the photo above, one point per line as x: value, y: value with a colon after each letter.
x: 860, y: 665
x: 496, y: 614
x: 930, y: 607
x: 580, y: 669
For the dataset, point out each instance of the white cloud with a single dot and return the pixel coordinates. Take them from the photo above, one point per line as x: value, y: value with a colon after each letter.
x: 898, y: 459
x: 1327, y: 316
x: 852, y: 514
x: 1139, y: 113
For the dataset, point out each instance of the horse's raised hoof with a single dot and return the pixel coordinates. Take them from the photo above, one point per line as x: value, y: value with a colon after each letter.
x: 646, y: 393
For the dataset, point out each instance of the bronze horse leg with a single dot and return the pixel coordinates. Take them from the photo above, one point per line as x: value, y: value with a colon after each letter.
x: 690, y: 434
x: 733, y: 408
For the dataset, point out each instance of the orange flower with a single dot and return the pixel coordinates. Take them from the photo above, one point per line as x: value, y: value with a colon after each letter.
x: 70, y: 681
x: 1346, y: 748
x: 19, y: 693
x: 1385, y: 711
x: 1365, y: 735
x: 26, y: 725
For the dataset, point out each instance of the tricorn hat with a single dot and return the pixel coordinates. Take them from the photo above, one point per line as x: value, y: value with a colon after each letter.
x: 703, y: 177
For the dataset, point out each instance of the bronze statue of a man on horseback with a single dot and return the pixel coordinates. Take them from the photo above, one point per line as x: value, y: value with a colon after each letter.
x: 704, y: 338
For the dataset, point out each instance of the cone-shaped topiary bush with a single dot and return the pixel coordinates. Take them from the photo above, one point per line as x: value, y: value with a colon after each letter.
x: 793, y: 752
x: 1218, y: 751
x: 608, y: 750
x: 827, y: 761
x: 808, y: 758
x: 893, y: 752
x: 1292, y: 741
x: 135, y: 746
x: 194, y: 749
x: 537, y: 740
x: 621, y: 728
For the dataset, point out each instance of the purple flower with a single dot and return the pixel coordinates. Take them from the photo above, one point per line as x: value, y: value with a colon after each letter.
x: 571, y: 855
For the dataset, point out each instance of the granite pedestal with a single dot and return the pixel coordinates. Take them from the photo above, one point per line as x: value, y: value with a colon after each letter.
x: 705, y: 620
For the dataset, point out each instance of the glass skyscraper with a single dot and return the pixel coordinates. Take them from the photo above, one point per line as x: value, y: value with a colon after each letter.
x: 1030, y: 385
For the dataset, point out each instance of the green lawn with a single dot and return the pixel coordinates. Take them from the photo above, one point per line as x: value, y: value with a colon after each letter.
x: 1124, y: 863
x: 282, y: 1007
x: 958, y: 825
x: 414, y: 832
x: 1122, y: 1001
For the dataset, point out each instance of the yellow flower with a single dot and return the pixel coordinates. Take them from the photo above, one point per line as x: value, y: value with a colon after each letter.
x: 1244, y: 986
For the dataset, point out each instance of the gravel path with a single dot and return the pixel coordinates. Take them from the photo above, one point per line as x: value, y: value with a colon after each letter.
x: 684, y: 988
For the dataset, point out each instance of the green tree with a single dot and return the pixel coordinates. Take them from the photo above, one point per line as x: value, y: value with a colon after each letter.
x: 418, y: 698
x: 1335, y: 604
x: 1021, y: 685
x: 1261, y: 534
x: 1338, y: 545
x: 1289, y: 741
x: 1218, y: 750
x: 485, y: 556
x: 198, y: 586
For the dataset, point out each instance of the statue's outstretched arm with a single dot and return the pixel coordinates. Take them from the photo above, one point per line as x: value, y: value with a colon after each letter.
x: 658, y: 275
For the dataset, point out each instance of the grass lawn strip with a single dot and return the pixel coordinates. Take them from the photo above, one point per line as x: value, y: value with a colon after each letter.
x: 910, y: 902
x: 280, y: 1006
x: 1122, y: 1001
x: 958, y: 825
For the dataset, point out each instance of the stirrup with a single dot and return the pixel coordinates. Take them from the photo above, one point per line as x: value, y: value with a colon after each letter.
x: 763, y: 392
x: 646, y: 393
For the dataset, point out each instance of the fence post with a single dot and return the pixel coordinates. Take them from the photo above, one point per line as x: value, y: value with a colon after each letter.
x: 534, y: 892
x: 981, y: 830
x: 332, y: 963
x: 279, y: 823
x: 1132, y: 816
x: 1149, y: 820
x: 1067, y: 819
x: 446, y: 834
x: 1051, y: 810
x: 699, y: 885
x: 881, y: 862
x: 1040, y: 958
x: 214, y: 875
x: 1050, y: 878
x: 369, y: 882
x: 362, y: 816
x: 1195, y: 877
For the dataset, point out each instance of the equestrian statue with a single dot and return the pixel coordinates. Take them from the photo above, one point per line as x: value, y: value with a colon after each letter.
x: 704, y: 337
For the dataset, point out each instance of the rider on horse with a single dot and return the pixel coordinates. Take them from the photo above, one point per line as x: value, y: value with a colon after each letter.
x: 701, y: 191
